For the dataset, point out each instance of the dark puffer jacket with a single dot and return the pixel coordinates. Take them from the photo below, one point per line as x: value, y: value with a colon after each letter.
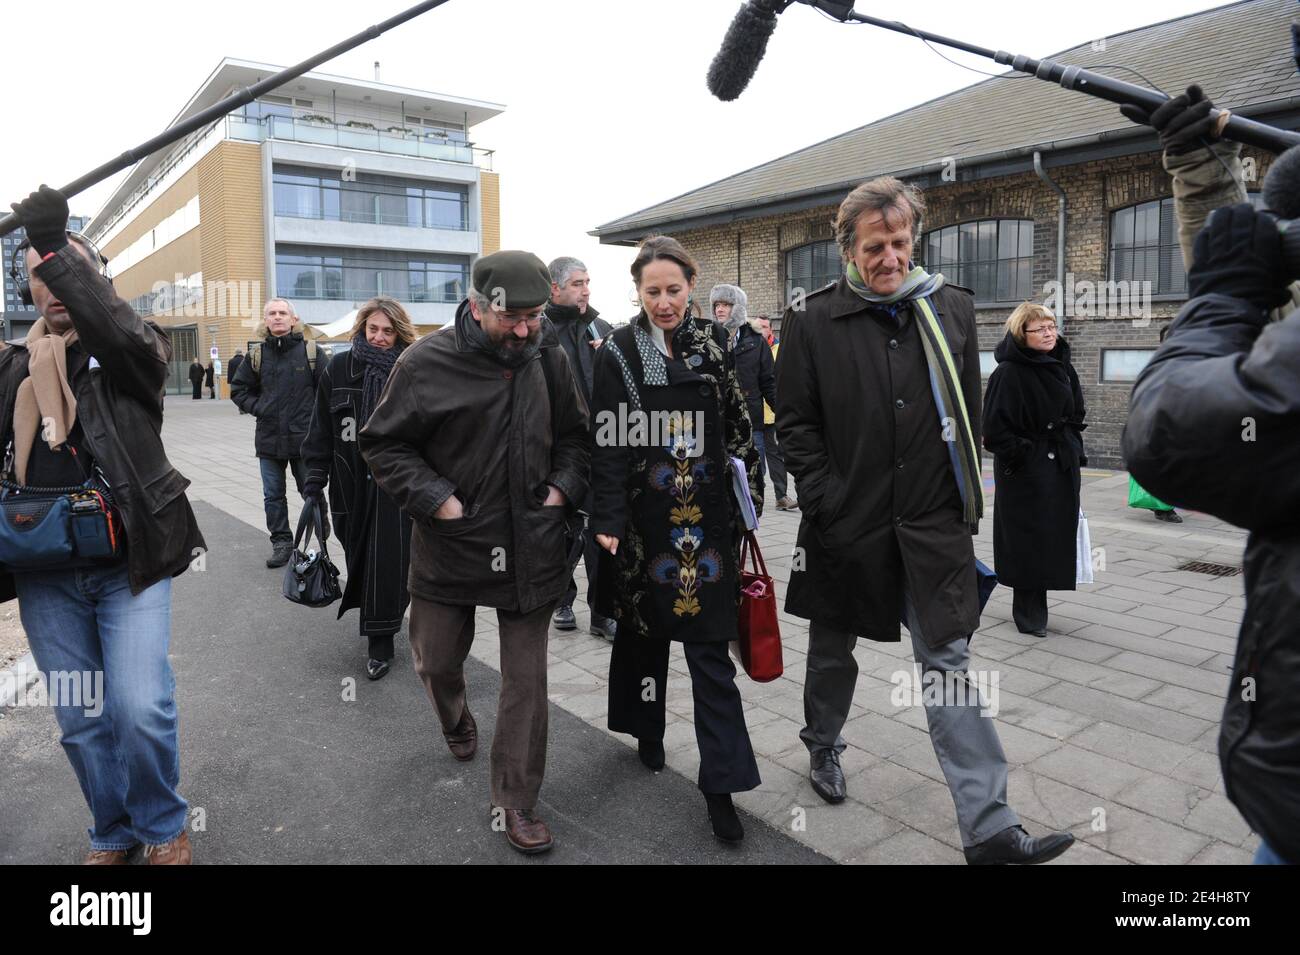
x: 281, y: 394
x: 1214, y: 424
x: 756, y: 371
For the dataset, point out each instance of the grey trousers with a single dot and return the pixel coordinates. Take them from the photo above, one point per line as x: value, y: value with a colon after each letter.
x: 966, y: 743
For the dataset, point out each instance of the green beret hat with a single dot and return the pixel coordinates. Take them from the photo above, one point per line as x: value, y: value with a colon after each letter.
x: 521, y: 277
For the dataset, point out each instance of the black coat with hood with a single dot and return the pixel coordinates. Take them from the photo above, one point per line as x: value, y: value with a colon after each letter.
x: 1033, y: 423
x: 756, y: 371
x: 1214, y: 425
x: 118, y: 380
x: 281, y: 394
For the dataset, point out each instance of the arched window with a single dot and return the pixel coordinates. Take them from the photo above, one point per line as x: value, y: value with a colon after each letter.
x: 1144, y: 247
x: 812, y: 266
x: 994, y: 257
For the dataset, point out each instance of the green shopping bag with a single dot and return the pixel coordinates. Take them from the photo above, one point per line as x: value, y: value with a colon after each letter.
x: 1138, y: 497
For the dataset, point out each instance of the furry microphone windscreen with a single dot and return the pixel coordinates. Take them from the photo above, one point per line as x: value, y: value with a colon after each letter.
x: 1282, y: 185
x: 742, y: 48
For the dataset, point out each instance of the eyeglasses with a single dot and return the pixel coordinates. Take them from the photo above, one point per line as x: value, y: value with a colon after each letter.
x: 513, y: 323
x: 1041, y: 329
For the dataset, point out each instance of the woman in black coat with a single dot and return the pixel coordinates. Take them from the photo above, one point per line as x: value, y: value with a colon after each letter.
x: 1033, y: 419
x: 375, y: 532
x: 668, y: 525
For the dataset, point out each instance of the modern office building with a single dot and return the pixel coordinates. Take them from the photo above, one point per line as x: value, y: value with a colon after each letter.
x: 18, y: 318
x: 1009, y: 168
x: 328, y: 192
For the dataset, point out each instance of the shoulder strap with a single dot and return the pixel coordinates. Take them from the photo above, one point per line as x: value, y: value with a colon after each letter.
x: 312, y: 351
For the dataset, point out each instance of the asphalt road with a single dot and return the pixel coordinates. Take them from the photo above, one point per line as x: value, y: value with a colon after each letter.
x: 284, y: 770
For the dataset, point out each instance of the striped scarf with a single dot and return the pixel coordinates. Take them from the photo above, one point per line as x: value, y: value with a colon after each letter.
x: 954, y: 422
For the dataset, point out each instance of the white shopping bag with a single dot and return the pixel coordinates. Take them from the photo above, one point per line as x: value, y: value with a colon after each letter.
x: 1083, y: 552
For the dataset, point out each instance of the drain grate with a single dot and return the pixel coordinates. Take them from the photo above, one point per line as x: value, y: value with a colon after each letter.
x: 1214, y: 570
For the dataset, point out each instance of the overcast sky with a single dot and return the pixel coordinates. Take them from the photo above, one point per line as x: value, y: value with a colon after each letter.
x: 606, y: 106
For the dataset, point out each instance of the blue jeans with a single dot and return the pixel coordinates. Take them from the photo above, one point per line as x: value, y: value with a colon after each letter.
x: 1266, y: 856
x: 126, y: 757
x: 273, y: 494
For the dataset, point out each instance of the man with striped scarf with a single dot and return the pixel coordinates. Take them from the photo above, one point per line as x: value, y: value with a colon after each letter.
x: 878, y: 403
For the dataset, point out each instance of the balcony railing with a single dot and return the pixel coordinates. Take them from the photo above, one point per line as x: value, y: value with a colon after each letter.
x: 322, y: 133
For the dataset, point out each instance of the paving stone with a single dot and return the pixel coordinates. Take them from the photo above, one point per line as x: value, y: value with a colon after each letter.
x: 1160, y: 722
x: 1182, y: 700
x: 908, y: 847
x: 1218, y: 853
x: 1086, y: 674
x: 1088, y: 771
x: 1167, y: 671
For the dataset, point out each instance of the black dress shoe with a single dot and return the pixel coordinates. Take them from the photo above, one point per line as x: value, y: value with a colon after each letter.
x: 1014, y: 846
x: 651, y: 752
x: 280, y: 554
x: 722, y: 816
x: 603, y: 626
x: 1035, y: 633
x: 564, y: 619
x: 827, y: 776
x: 1169, y: 517
x: 376, y: 669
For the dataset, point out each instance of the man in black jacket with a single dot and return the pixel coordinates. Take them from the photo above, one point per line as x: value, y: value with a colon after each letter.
x: 1214, y: 424
x: 232, y: 369
x: 100, y: 630
x: 580, y: 331
x: 277, y: 384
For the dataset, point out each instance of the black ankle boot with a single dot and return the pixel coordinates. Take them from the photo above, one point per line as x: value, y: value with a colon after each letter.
x: 651, y: 752
x: 722, y: 814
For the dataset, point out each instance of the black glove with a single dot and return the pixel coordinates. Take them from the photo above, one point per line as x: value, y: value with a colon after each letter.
x: 44, y: 214
x: 1183, y: 122
x: 1239, y: 253
x: 313, y: 489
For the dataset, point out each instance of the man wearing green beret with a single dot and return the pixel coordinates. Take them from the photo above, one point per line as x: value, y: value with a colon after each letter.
x: 481, y: 436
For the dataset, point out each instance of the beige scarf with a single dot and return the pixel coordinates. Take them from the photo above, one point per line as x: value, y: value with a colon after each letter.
x: 44, y: 395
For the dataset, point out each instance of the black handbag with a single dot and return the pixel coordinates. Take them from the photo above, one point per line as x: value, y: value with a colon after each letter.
x: 311, y: 579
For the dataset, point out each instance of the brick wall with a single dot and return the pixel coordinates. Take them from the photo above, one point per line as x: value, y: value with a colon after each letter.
x: 752, y: 254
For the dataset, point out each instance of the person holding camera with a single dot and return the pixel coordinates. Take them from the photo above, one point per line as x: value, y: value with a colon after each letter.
x: 81, y: 407
x: 1214, y: 424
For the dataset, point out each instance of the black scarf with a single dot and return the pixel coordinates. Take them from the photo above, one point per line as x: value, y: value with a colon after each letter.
x: 378, y: 364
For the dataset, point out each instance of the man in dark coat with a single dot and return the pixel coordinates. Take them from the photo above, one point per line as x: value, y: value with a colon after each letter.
x: 196, y: 378
x: 481, y: 437
x: 1214, y: 424
x: 83, y: 395
x: 580, y: 331
x: 1033, y: 424
x: 210, y: 378
x: 878, y: 405
x: 277, y: 384
x: 232, y: 369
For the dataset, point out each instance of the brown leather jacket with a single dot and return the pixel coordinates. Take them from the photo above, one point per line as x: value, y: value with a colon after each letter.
x: 119, y: 405
x: 454, y: 420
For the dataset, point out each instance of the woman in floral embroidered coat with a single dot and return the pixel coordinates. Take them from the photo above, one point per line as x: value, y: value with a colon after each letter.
x: 667, y: 416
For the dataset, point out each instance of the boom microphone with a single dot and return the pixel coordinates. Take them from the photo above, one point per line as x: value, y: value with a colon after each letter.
x: 1281, y: 195
x: 743, y: 47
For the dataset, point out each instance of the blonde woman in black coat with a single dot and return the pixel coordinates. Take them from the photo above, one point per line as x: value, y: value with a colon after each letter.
x: 1033, y: 423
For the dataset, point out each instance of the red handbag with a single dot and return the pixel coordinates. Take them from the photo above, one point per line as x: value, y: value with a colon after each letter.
x: 759, y: 632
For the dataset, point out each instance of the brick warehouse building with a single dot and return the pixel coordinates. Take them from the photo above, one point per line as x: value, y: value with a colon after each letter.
x: 995, y: 192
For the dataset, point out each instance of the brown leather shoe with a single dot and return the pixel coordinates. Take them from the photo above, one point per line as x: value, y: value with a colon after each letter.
x: 176, y: 852
x: 526, y: 832
x: 463, y: 740
x: 108, y: 857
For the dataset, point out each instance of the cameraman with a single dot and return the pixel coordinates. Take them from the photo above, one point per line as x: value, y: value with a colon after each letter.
x: 83, y: 395
x: 1214, y: 424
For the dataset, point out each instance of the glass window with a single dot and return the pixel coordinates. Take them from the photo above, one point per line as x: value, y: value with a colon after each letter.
x: 1123, y: 364
x: 994, y: 257
x: 385, y: 200
x: 359, y: 274
x: 987, y: 363
x: 1144, y: 247
x: 811, y: 267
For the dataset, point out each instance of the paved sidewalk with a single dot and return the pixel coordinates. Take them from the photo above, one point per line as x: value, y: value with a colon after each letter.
x: 1110, y: 723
